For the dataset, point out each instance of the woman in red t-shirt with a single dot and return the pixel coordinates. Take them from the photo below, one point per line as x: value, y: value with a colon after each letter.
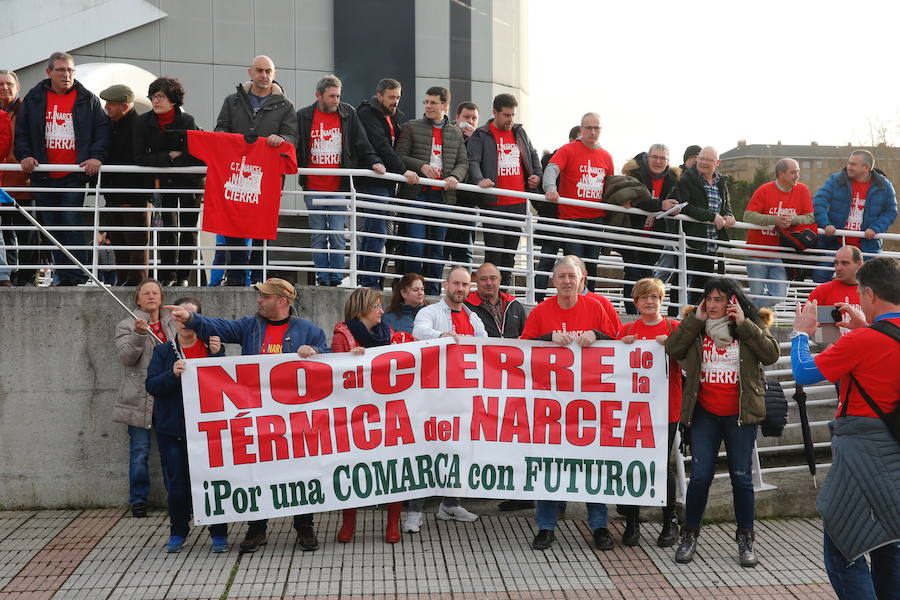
x: 722, y: 347
x: 362, y: 328
x: 648, y: 295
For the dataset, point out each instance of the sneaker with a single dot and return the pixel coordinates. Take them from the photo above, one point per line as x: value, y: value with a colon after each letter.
x: 455, y: 513
x: 175, y: 544
x: 744, y: 539
x: 139, y: 510
x: 219, y: 544
x: 306, y: 538
x: 252, y: 541
x: 687, y: 545
x: 413, y: 522
x: 543, y: 540
x: 602, y: 539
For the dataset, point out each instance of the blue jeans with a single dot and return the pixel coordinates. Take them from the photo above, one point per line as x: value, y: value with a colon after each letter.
x: 173, y: 454
x: 72, y: 199
x: 854, y: 581
x: 138, y: 464
x: 434, y: 232
x: 707, y: 432
x: 371, y: 243
x: 547, y: 514
x: 4, y: 271
x: 770, y: 268
x: 320, y: 222
x: 238, y: 258
x: 824, y: 272
x: 587, y: 252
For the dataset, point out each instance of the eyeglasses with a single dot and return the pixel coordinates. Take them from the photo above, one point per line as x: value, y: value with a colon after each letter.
x: 158, y: 96
x: 591, y: 128
x: 63, y: 70
x: 378, y: 307
x: 652, y: 157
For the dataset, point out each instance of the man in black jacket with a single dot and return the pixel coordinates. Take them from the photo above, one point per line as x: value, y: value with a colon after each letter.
x: 61, y: 121
x: 382, y: 120
x: 652, y: 169
x: 119, y: 107
x: 501, y: 155
x: 330, y: 136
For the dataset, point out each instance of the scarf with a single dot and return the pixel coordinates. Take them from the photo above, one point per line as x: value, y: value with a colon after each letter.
x: 719, y: 330
x: 166, y: 118
x: 380, y: 335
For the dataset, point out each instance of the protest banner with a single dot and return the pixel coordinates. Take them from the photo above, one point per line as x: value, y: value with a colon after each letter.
x: 274, y: 435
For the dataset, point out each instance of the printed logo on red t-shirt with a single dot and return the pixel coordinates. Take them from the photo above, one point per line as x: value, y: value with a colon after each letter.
x: 245, y: 182
x: 461, y: 323
x: 59, y: 130
x: 719, y: 377
x: 273, y: 342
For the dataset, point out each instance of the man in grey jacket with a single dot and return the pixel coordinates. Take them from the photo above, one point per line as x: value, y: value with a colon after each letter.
x: 257, y: 108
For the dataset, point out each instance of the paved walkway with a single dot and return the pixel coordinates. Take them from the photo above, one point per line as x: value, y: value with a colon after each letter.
x: 106, y: 554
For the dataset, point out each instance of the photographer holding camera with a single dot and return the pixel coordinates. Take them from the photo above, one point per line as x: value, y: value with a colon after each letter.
x: 860, y: 500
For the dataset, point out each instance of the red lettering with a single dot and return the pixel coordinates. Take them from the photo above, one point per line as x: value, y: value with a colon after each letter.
x: 638, y: 426
x: 396, y: 424
x: 593, y: 369
x: 213, y: 431
x: 310, y: 437
x: 362, y: 414
x: 484, y: 418
x: 284, y: 381
x: 498, y: 360
x: 608, y: 422
x: 271, y: 430
x: 555, y: 361
x: 341, y: 434
x: 431, y: 367
x: 547, y: 429
x: 515, y: 421
x: 240, y: 441
x: 215, y: 383
x: 385, y: 379
x: 576, y: 411
x: 457, y: 366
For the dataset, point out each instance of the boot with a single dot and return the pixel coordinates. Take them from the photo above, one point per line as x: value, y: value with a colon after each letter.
x: 669, y: 534
x: 632, y: 533
x: 688, y: 545
x: 744, y: 539
x: 392, y: 531
x: 348, y: 525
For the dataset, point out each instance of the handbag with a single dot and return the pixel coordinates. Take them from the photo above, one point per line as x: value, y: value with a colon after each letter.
x: 798, y: 241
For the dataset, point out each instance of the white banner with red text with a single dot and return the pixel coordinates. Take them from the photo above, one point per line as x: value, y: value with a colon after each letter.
x: 273, y: 435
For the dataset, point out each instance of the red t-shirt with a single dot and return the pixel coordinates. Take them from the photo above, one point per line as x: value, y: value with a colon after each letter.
x: 550, y: 317
x: 273, y: 340
x: 657, y: 183
x: 243, y: 182
x: 461, y: 323
x: 325, y: 148
x: 582, y: 173
x: 612, y: 317
x: 642, y: 331
x: 873, y: 358
x: 157, y: 329
x: 198, y: 350
x: 436, y: 158
x: 509, y: 167
x: 767, y: 200
x: 59, y: 130
x: 832, y: 292
x: 720, y: 386
x: 858, y: 192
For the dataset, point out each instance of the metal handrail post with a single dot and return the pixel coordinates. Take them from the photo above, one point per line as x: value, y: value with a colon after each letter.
x: 352, y: 227
x: 529, y: 231
x: 95, y: 258
x: 682, y: 265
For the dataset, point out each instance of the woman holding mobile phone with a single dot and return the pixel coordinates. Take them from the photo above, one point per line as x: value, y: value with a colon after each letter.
x: 722, y: 346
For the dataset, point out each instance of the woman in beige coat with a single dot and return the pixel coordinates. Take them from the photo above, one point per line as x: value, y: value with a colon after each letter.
x: 134, y: 406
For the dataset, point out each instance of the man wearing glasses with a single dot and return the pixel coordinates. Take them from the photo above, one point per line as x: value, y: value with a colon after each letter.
x: 581, y: 166
x: 61, y: 122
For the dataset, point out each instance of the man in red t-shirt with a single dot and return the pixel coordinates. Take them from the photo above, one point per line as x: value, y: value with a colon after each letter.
x: 331, y: 137
x: 783, y: 204
x: 568, y: 318
x: 581, y: 166
x: 859, y: 505
x: 842, y: 289
x: 61, y: 122
x: 501, y: 155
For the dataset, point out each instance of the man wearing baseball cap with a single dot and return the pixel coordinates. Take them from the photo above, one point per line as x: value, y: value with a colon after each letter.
x: 272, y: 330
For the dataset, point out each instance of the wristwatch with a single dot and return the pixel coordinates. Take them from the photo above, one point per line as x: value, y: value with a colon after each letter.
x: 796, y: 333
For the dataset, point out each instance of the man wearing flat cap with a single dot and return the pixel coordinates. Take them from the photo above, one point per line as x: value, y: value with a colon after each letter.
x: 272, y: 330
x: 119, y: 106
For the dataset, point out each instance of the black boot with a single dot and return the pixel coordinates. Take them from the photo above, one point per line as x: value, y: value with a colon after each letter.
x: 632, y: 533
x: 745, y: 538
x: 669, y: 533
x: 688, y: 545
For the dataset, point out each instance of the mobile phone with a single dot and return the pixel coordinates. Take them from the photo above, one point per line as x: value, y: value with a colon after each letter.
x: 828, y: 314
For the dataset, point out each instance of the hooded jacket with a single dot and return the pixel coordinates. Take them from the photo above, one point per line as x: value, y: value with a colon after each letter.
x: 375, y: 123
x: 414, y: 147
x: 638, y: 168
x: 757, y: 348
x: 90, y: 122
x: 513, y: 316
x: 831, y: 205
x: 356, y: 151
x: 275, y: 116
x: 482, y: 152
